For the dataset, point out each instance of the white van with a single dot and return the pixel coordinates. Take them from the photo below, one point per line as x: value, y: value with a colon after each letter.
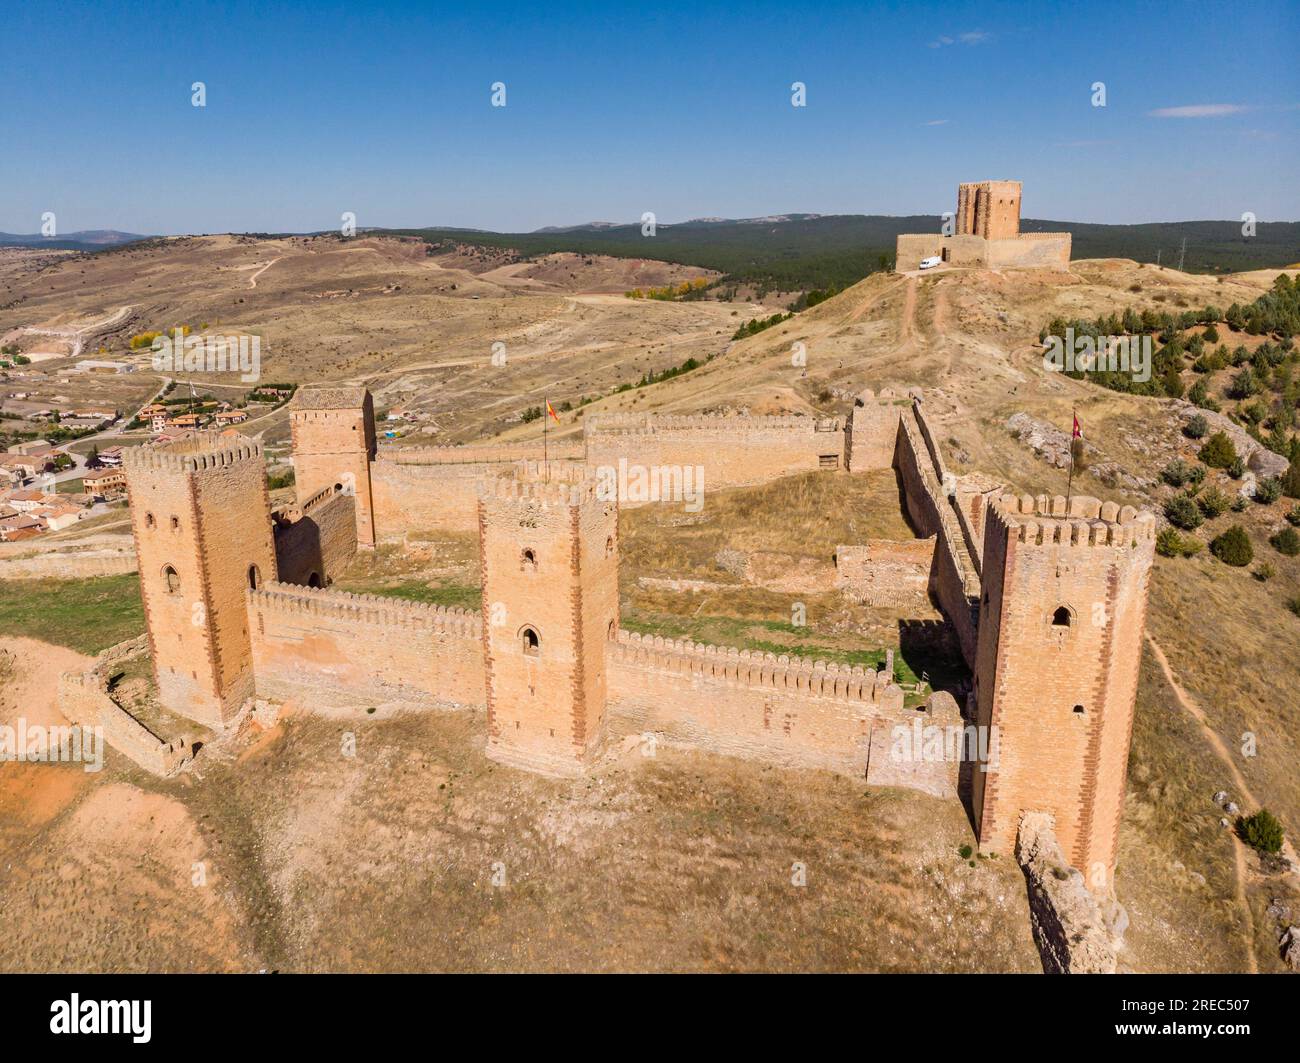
x: 930, y: 263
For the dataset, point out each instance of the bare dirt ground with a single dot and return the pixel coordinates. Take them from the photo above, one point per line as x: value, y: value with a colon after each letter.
x: 281, y: 852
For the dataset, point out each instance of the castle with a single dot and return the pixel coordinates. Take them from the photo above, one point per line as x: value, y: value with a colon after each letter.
x: 1047, y: 599
x: 986, y: 234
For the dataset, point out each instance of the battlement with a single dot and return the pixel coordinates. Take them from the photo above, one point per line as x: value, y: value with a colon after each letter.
x: 486, y: 454
x: 658, y: 424
x: 816, y: 678
x: 1081, y: 521
x: 204, y: 450
x: 558, y: 491
x: 371, y: 609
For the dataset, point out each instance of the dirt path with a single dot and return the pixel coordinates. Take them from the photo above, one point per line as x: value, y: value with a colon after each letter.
x: 1194, y: 710
x: 252, y: 280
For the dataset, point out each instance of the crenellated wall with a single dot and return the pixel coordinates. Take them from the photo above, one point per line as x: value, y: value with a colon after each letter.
x: 789, y: 710
x: 733, y: 450
x: 334, y: 649
x: 954, y: 579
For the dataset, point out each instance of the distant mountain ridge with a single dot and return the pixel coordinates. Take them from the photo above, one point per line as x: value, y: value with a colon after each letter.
x: 804, y: 252
x: 82, y: 240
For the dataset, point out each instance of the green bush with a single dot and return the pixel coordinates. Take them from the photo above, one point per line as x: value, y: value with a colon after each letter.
x: 1268, y: 491
x: 1237, y: 468
x: 1264, y: 572
x: 1196, y: 427
x: 1176, y: 473
x: 1294, y: 605
x: 1213, y: 503
x: 1182, y: 512
x: 1287, y: 542
x: 1291, y: 480
x: 1294, y: 516
x: 1218, y: 452
x: 1261, y: 831
x: 1233, y: 547
x: 1170, y: 544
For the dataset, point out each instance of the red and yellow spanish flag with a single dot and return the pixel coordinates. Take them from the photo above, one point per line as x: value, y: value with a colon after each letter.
x: 551, y: 410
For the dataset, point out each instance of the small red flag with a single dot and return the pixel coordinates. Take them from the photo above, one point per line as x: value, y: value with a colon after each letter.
x: 1078, y: 432
x: 551, y: 410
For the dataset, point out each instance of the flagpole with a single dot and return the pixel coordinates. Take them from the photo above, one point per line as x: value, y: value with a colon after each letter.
x: 546, y: 453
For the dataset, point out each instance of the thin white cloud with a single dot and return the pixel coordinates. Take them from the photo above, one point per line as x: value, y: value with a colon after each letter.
x: 938, y: 121
x: 1199, y: 110
x: 969, y: 37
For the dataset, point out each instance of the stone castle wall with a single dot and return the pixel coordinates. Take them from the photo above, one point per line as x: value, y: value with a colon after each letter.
x: 334, y: 649
x: 954, y: 581
x: 84, y: 700
x: 318, y: 538
x: 790, y: 711
x: 883, y: 572
x: 734, y: 451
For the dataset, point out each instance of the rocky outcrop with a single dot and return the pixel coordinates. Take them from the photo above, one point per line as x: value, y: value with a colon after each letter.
x: 1044, y: 439
x: 1258, y: 458
x: 1069, y: 926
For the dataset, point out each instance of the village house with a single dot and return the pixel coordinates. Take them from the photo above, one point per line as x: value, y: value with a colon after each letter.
x: 230, y: 417
x: 57, y: 516
x: 105, y: 483
x: 21, y: 526
x: 26, y: 500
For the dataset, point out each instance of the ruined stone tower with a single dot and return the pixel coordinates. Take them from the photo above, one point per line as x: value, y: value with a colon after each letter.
x: 333, y: 446
x: 201, y: 518
x: 549, y: 558
x: 1062, y: 610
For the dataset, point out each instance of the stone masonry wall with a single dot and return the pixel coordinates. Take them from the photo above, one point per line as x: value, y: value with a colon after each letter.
x: 85, y: 701
x: 333, y: 649
x: 954, y: 580
x: 320, y: 538
x: 790, y: 711
x: 885, y: 573
x: 734, y: 451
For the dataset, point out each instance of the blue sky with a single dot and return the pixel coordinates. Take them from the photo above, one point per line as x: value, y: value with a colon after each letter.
x: 684, y: 110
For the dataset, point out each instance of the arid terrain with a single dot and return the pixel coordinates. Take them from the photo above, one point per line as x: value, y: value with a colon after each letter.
x: 314, y: 860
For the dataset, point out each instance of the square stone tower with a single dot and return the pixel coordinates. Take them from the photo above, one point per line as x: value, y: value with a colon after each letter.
x: 990, y: 209
x: 333, y: 446
x: 201, y: 518
x: 1062, y: 612
x: 549, y: 558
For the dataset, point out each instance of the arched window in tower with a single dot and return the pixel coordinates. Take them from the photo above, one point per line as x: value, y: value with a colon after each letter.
x: 314, y: 580
x: 172, y: 579
x: 609, y: 546
x: 531, y: 642
x: 528, y: 560
x: 254, y: 577
x: 1062, y: 617
x: 149, y: 522
x: 176, y: 523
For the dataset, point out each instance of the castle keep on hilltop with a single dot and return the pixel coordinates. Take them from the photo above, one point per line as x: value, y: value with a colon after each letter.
x: 1047, y: 600
x: 986, y: 234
